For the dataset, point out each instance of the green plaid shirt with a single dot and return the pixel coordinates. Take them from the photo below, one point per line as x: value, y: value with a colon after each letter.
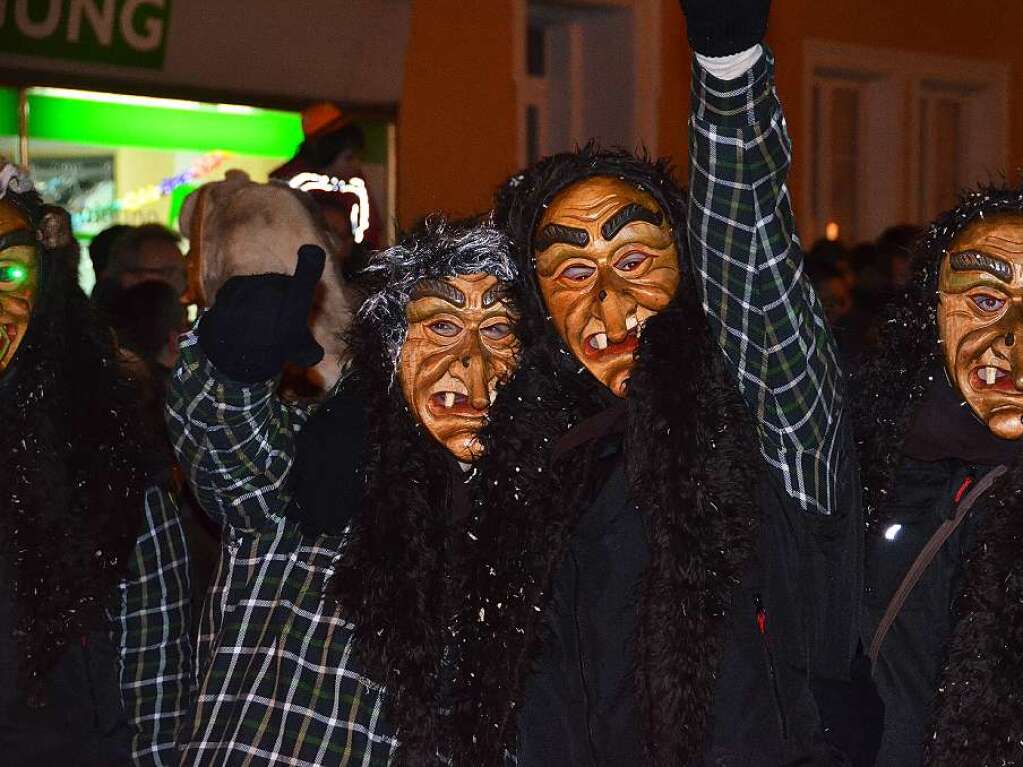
x: 149, y: 623
x: 763, y: 309
x: 277, y: 683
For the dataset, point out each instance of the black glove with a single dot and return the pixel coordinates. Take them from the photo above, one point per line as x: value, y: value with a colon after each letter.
x: 724, y: 27
x: 258, y: 323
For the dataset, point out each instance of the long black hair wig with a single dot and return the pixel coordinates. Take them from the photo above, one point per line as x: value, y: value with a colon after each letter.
x: 687, y: 442
x: 75, y: 462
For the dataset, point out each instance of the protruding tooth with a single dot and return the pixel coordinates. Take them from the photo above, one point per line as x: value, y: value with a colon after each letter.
x: 989, y: 375
x: 631, y: 322
x: 600, y: 340
x: 449, y: 399
x: 493, y: 396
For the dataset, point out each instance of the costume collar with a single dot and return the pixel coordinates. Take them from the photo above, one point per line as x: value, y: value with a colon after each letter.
x: 944, y: 427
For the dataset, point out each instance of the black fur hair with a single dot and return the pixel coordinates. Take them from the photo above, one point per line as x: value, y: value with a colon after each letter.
x: 75, y: 467
x: 687, y: 443
x: 977, y: 717
x: 895, y: 380
x: 396, y: 577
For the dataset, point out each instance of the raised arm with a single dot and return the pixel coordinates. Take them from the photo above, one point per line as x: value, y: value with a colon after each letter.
x: 233, y: 436
x: 749, y: 263
x: 153, y: 624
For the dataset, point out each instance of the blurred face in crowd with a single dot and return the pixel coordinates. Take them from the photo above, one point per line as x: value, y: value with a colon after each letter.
x: 19, y: 270
x: 836, y: 297
x: 459, y: 345
x: 980, y: 319
x: 606, y: 262
x: 156, y: 259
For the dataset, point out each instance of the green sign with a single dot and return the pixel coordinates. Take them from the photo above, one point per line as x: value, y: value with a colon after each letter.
x: 131, y: 33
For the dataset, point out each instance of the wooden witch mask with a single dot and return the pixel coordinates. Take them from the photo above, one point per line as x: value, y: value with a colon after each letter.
x: 606, y: 262
x: 980, y: 320
x: 460, y: 343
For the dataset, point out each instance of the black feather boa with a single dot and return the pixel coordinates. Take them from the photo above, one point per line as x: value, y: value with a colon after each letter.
x: 977, y: 716
x: 76, y: 462
x: 688, y: 448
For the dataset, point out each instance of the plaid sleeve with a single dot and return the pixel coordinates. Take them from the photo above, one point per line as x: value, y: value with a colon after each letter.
x: 234, y: 441
x: 749, y: 262
x: 153, y: 627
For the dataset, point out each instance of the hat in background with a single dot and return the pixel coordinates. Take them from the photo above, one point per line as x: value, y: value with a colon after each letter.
x: 322, y: 118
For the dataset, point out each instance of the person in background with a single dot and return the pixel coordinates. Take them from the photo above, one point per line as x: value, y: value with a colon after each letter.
x: 143, y: 253
x: 148, y: 318
x: 99, y: 248
x: 333, y: 145
x: 895, y: 246
x: 94, y: 569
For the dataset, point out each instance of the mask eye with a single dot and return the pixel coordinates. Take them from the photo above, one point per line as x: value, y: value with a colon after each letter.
x: 12, y: 275
x: 630, y: 262
x: 987, y: 303
x: 577, y: 273
x: 497, y: 331
x: 445, y: 328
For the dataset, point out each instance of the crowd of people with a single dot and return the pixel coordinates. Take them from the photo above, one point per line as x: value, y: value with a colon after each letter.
x: 611, y: 474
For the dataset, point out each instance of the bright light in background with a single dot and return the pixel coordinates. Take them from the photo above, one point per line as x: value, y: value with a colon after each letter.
x: 892, y: 532
x: 140, y: 101
x: 831, y: 231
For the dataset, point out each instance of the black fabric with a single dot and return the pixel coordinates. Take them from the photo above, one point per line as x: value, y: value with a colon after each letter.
x: 77, y: 453
x: 717, y: 28
x: 945, y: 427
x: 258, y: 323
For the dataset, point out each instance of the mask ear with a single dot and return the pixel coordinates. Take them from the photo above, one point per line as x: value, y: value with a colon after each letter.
x: 55, y: 228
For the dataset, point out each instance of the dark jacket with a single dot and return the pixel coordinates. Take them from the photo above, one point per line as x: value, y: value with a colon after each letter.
x: 652, y: 596
x: 946, y: 452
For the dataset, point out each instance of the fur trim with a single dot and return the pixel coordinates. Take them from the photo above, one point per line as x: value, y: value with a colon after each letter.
x: 978, y: 713
x: 75, y: 471
x: 687, y: 450
x: 396, y: 579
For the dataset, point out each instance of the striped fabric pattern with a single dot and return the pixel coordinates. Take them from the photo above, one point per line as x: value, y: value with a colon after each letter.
x: 277, y: 678
x: 749, y: 262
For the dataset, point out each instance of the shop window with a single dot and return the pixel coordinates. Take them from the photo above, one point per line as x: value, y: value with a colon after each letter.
x: 118, y: 159
x: 893, y: 136
x: 577, y: 77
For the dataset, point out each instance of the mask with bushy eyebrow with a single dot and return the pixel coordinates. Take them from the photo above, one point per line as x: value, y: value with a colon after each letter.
x: 980, y: 320
x: 459, y: 344
x: 606, y: 261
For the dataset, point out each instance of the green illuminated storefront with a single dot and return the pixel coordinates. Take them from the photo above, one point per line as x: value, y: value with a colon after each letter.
x: 113, y: 158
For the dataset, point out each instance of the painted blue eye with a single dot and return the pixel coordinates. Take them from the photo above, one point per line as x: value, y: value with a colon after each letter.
x: 445, y: 328
x: 577, y: 273
x: 988, y: 303
x: 631, y: 262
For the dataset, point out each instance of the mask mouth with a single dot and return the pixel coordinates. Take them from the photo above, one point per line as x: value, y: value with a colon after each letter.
x: 598, y: 346
x: 991, y: 378
x: 449, y: 403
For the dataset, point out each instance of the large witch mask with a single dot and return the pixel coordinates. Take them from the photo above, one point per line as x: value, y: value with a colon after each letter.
x: 980, y: 319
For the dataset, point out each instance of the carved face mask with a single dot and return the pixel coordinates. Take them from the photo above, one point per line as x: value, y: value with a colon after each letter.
x: 459, y: 345
x: 980, y: 319
x: 19, y: 268
x: 606, y: 262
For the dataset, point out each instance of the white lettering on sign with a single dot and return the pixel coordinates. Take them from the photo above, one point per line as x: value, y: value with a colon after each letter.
x: 100, y: 19
x: 37, y: 30
x: 150, y: 38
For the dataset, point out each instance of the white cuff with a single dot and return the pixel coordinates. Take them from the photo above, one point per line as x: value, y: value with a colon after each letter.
x: 733, y: 66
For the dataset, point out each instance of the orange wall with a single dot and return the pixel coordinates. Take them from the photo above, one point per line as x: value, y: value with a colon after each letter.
x: 458, y: 122
x: 457, y: 125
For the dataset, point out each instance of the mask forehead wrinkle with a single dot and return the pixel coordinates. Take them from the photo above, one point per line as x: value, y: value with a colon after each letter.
x: 438, y: 288
x: 972, y: 260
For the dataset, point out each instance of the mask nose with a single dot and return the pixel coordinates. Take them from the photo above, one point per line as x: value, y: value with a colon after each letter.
x: 472, y: 369
x: 613, y: 307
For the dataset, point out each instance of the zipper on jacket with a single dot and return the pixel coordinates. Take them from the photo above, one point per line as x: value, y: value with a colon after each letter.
x: 761, y: 618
